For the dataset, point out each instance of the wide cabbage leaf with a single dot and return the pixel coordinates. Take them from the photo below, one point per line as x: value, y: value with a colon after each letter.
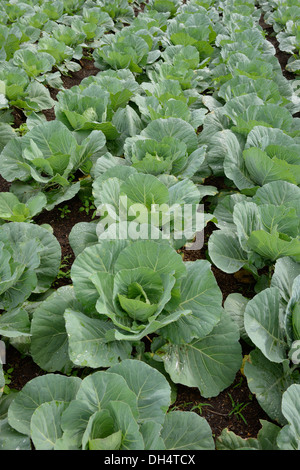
x: 289, y: 436
x: 266, y: 439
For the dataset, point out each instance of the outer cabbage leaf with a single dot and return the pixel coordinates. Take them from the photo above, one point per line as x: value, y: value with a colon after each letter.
x: 209, y: 363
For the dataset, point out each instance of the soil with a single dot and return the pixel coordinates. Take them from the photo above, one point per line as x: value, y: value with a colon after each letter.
x: 4, y: 185
x: 62, y: 226
x: 235, y: 408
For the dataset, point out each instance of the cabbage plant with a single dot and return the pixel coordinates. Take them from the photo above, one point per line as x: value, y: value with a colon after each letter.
x: 17, y: 89
x: 164, y: 98
x: 251, y: 142
x: 194, y: 29
x: 30, y: 260
x: 122, y: 194
x: 38, y: 66
x: 166, y: 146
x: 123, y: 408
x: 101, y: 103
x: 181, y: 63
x: 164, y: 6
x: 250, y: 121
x: 255, y: 232
x: 15, y: 11
x: 33, y: 63
x: 46, y: 158
x: 61, y: 52
x: 125, y: 290
x: 126, y: 49
x: 119, y: 10
x: 86, y: 110
x: 70, y: 37
x: 247, y: 53
x: 10, y: 41
x: 140, y: 296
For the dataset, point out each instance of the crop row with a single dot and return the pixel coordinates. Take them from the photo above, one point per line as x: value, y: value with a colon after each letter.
x: 185, y: 93
x: 284, y: 17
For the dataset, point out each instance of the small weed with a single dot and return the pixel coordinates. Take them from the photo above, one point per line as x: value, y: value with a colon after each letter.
x: 7, y: 377
x: 64, y: 211
x: 62, y: 273
x: 237, y: 409
x: 239, y: 384
x: 88, y: 206
x: 22, y: 130
x: 185, y: 405
x: 181, y: 406
x: 200, y: 406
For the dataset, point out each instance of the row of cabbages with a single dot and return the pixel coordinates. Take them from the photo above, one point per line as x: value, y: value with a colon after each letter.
x: 173, y: 105
x: 284, y: 17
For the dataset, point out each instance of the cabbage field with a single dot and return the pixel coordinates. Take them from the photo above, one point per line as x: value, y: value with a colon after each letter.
x: 150, y: 225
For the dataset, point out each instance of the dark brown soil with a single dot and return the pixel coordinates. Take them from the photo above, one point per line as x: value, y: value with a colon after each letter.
x: 87, y: 68
x: 140, y: 9
x: 49, y: 114
x: 4, y: 185
x: 24, y: 369
x: 19, y: 117
x: 62, y: 226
